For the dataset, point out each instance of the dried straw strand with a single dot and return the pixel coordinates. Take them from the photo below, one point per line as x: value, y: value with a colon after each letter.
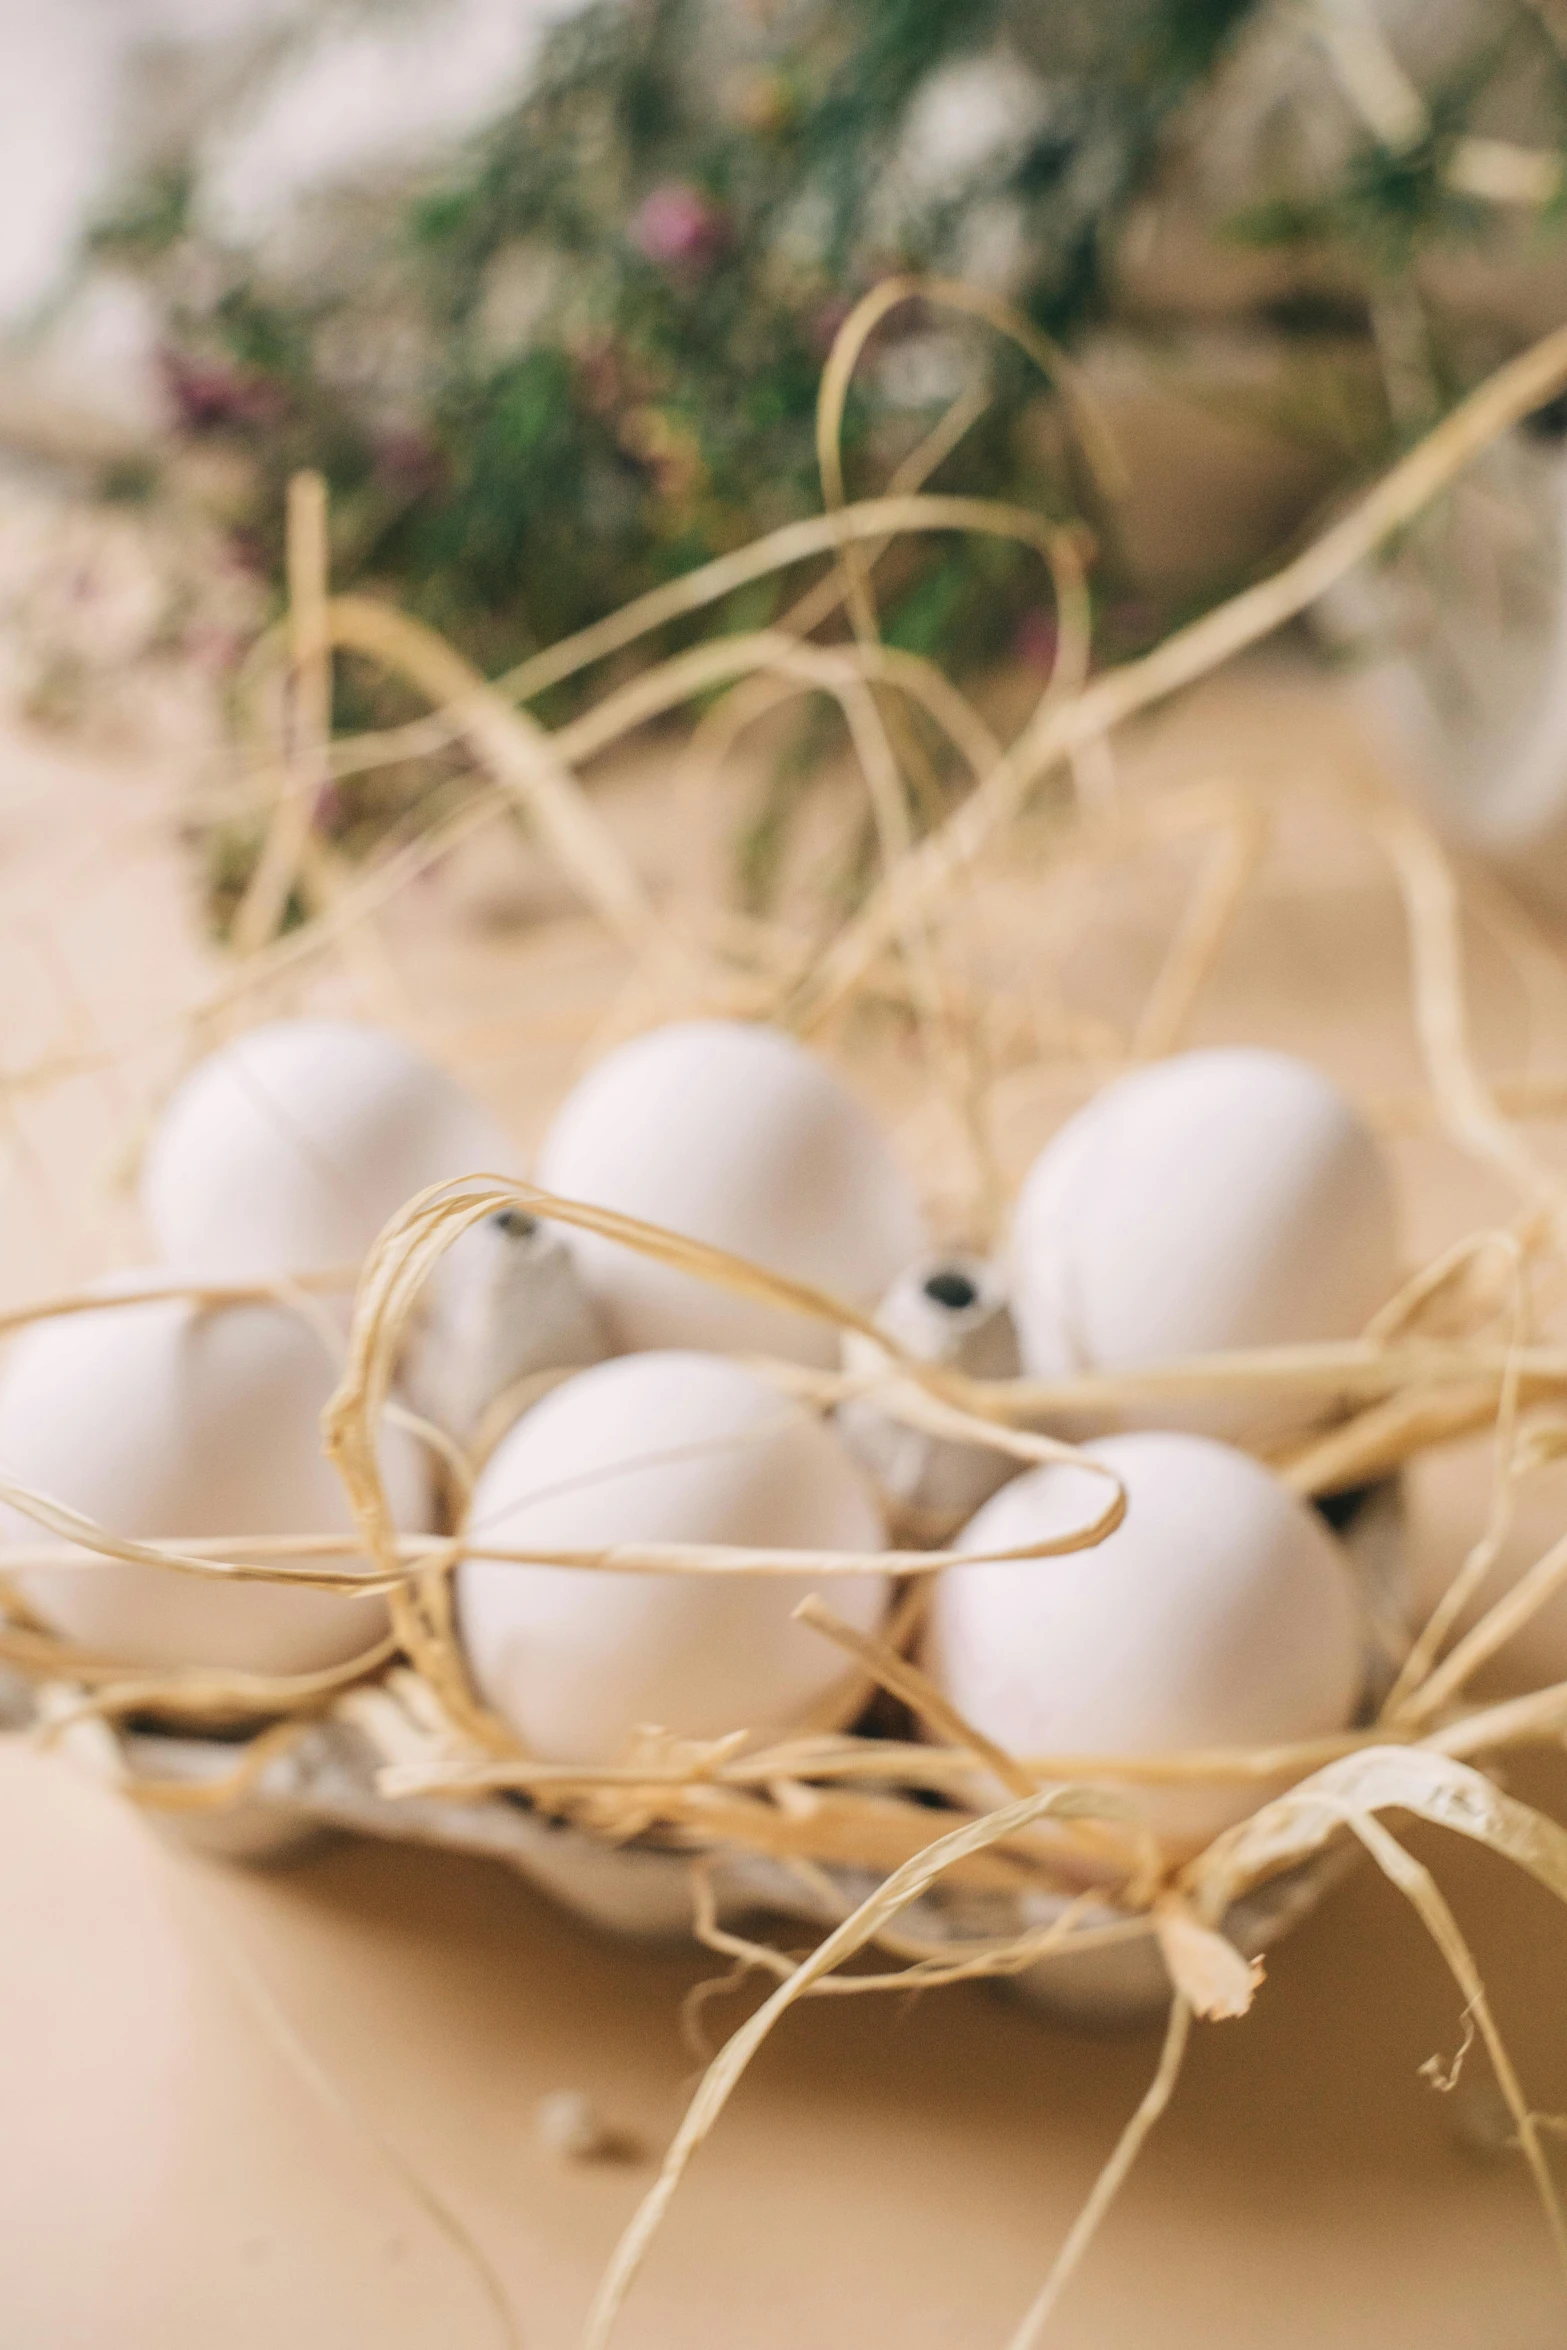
x: 1514, y: 391
x: 1155, y: 2100
x: 903, y: 1886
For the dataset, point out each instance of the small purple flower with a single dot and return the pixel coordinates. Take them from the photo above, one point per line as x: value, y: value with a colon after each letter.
x: 248, y: 553
x: 1037, y: 640
x: 678, y: 229
x: 209, y: 395
x: 408, y: 464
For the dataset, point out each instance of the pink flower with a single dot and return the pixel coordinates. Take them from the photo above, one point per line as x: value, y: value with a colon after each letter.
x: 678, y: 229
x: 210, y: 395
x: 1036, y: 640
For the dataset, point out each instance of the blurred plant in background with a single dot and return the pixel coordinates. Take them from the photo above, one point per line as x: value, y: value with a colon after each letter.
x: 588, y: 358
x: 582, y: 355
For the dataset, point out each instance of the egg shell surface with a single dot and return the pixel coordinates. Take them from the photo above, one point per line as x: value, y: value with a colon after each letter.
x: 287, y: 1151
x: 165, y: 1421
x: 660, y: 1447
x: 1214, y: 1201
x: 1221, y: 1612
x: 731, y: 1133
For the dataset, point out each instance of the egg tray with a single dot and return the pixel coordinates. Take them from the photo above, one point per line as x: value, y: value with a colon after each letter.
x: 228, y: 1798
x: 1004, y: 881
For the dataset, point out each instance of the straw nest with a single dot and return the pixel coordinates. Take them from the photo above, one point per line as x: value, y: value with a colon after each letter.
x: 1454, y: 1352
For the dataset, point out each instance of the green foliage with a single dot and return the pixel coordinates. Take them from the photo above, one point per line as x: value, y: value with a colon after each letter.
x: 585, y: 359
x: 1390, y: 203
x: 699, y: 199
x: 153, y: 216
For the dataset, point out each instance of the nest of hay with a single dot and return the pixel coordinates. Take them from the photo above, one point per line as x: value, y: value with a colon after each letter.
x: 871, y: 1830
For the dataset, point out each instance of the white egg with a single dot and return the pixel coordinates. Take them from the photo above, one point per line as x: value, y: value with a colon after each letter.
x: 666, y: 1447
x: 736, y: 1135
x: 287, y: 1151
x: 164, y: 1421
x: 1214, y: 1201
x: 1220, y: 1613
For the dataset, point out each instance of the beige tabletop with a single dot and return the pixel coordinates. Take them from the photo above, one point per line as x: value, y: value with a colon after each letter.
x: 211, y: 2076
x: 893, y: 2171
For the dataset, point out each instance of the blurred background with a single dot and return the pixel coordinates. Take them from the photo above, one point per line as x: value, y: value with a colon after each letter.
x: 545, y: 287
